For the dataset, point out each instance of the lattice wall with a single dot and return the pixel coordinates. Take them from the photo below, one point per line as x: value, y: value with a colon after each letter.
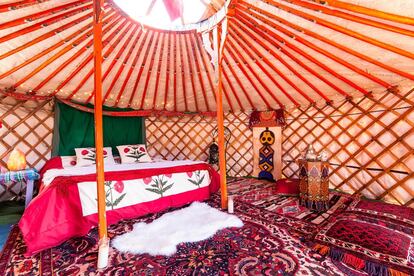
x: 369, y: 141
x: 28, y: 126
x: 189, y: 137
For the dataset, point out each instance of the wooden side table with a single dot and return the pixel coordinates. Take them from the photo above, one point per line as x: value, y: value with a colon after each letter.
x: 314, y: 184
x: 10, y: 179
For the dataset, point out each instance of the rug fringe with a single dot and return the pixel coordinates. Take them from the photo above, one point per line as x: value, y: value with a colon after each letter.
x: 372, y: 268
x: 393, y: 272
x: 353, y: 261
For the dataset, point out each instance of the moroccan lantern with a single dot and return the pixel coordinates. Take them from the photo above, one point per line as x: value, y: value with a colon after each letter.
x: 17, y: 161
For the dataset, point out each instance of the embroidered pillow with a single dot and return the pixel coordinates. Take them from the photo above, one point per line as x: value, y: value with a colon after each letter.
x: 86, y: 156
x: 68, y: 161
x: 133, y: 154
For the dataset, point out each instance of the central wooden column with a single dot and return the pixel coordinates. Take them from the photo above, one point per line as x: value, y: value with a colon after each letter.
x: 100, y: 177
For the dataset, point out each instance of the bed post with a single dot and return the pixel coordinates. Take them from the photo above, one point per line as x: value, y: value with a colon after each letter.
x: 97, y: 49
x: 219, y: 46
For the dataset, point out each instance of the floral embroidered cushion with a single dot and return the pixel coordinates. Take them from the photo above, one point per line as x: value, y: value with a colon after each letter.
x: 68, y: 161
x: 86, y: 156
x: 133, y: 154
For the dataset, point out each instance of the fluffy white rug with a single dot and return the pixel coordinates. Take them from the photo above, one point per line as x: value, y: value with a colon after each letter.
x: 197, y: 222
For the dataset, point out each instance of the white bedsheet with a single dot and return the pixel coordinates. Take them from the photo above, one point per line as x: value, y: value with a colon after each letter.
x: 51, y: 174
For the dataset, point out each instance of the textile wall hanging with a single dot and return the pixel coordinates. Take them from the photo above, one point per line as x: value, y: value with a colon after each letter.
x: 267, y: 143
x: 267, y: 118
x: 75, y: 129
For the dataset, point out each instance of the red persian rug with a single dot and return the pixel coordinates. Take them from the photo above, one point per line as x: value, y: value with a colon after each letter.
x: 373, y: 237
x: 266, y: 195
x: 267, y: 244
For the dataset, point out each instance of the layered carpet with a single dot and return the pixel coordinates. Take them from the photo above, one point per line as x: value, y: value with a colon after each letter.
x: 359, y: 236
x: 194, y: 223
x: 354, y: 237
x: 263, y: 246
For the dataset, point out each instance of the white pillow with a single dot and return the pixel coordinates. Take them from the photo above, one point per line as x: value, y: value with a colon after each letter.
x: 133, y: 154
x: 86, y: 156
x: 68, y: 161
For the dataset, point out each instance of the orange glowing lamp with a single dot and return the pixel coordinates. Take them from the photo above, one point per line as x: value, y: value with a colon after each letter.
x: 17, y: 161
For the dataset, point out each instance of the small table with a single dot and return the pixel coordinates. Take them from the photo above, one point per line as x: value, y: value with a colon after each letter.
x: 9, y: 179
x: 314, y: 184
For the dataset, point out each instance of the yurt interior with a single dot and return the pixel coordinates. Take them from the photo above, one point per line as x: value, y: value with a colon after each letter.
x: 207, y: 137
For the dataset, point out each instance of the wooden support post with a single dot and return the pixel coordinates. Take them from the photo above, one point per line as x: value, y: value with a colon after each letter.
x: 100, y: 177
x: 220, y: 122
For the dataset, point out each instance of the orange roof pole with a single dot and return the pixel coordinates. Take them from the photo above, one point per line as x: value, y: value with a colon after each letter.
x: 100, y: 177
x: 220, y: 121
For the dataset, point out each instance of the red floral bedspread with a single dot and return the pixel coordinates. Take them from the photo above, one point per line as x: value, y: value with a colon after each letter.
x: 67, y: 207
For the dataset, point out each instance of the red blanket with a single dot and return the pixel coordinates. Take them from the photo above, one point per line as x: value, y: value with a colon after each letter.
x: 56, y: 214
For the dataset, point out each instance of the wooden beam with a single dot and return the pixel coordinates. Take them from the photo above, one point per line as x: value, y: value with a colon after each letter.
x: 182, y: 71
x: 159, y: 40
x: 206, y: 65
x: 121, y: 68
x: 368, y: 11
x: 341, y: 29
x: 43, y: 23
x: 71, y: 59
x: 330, y: 42
x: 100, y: 176
x: 141, y: 67
x: 38, y: 15
x: 107, y: 52
x: 235, y: 53
x: 132, y: 67
x: 246, y: 19
x: 351, y: 17
x: 243, y: 89
x: 194, y: 54
x: 167, y: 72
x: 220, y: 122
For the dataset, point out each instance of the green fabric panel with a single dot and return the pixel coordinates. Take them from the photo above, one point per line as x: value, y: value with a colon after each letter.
x: 76, y: 130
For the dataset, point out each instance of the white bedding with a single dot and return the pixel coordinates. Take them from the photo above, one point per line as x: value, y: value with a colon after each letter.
x: 51, y: 174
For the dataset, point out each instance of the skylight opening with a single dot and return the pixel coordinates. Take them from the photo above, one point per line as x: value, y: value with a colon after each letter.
x: 166, y: 14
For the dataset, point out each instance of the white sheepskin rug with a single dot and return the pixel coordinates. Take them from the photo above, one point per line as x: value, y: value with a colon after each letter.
x: 195, y: 223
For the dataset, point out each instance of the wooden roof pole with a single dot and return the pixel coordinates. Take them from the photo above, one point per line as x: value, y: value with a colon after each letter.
x: 100, y: 177
x: 220, y: 119
x: 368, y: 11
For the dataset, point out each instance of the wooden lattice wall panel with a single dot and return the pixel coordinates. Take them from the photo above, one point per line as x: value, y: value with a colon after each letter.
x: 28, y: 126
x: 189, y: 137
x: 369, y: 140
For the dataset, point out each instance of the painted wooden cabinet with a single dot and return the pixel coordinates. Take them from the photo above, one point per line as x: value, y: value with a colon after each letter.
x: 314, y: 184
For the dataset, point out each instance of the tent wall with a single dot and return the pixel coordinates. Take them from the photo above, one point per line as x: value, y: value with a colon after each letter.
x: 365, y: 157
x: 369, y: 141
x: 190, y: 137
x: 28, y: 126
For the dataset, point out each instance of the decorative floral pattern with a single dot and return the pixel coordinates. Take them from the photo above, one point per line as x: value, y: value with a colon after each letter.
x: 112, y: 199
x: 160, y: 184
x: 133, y: 154
x: 198, y: 178
x: 263, y: 246
x: 87, y: 156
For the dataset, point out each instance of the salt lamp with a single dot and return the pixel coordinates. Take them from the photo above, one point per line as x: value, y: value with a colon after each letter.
x: 17, y: 161
x: 3, y: 169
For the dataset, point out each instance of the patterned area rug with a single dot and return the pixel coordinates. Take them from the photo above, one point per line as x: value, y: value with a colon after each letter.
x: 361, y: 237
x: 262, y: 194
x: 373, y: 237
x: 263, y: 246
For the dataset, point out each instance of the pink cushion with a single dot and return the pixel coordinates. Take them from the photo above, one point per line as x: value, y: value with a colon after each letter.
x: 287, y: 187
